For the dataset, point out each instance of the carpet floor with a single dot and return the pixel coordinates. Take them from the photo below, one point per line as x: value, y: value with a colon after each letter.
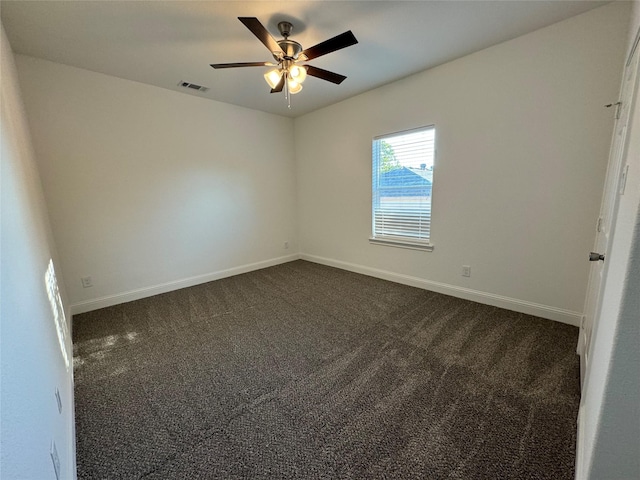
x: 305, y: 371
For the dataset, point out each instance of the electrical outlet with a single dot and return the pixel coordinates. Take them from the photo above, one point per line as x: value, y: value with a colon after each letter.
x: 86, y: 282
x: 58, y: 400
x: 286, y: 245
x: 466, y: 271
x: 55, y: 459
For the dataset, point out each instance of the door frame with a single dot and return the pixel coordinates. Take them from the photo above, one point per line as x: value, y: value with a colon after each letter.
x: 608, y: 209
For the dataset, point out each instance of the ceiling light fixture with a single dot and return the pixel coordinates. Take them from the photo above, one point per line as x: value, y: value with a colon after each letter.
x: 294, y: 75
x: 288, y: 73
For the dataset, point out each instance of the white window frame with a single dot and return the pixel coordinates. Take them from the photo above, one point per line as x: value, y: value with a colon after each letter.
x: 417, y: 236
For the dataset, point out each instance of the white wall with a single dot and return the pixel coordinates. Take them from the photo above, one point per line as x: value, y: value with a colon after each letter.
x: 32, y: 365
x: 609, y: 433
x: 522, y: 142
x: 150, y: 190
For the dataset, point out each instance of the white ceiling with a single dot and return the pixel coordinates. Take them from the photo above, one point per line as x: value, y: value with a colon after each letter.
x: 164, y: 42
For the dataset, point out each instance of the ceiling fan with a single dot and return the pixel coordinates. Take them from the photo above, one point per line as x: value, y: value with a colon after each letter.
x: 287, y: 73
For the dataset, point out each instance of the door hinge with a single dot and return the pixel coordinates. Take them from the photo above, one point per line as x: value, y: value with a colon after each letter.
x: 599, y: 225
x: 617, y: 105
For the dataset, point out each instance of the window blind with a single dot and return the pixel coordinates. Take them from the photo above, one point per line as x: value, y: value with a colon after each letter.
x: 402, y: 185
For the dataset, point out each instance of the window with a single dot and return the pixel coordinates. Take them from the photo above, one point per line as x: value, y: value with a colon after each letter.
x: 402, y: 183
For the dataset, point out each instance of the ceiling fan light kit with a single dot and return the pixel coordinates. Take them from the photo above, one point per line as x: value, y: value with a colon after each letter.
x: 288, y: 75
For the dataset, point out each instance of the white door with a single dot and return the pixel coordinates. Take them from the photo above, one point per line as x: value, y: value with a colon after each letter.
x: 614, y: 186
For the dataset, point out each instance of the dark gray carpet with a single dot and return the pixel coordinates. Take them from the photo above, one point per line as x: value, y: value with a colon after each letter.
x: 306, y: 371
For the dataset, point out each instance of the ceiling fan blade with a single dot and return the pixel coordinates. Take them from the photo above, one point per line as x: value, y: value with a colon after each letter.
x: 325, y: 74
x: 343, y: 40
x: 253, y: 24
x: 279, y: 86
x: 243, y: 64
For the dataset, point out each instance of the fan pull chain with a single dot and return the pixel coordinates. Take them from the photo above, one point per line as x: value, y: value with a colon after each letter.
x: 287, y: 95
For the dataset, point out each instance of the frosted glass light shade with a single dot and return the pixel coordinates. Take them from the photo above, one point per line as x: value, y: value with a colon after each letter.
x: 294, y: 87
x: 273, y: 77
x: 298, y: 73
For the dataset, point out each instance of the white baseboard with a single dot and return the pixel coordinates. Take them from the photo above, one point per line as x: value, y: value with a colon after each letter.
x: 522, y: 306
x: 544, y: 311
x: 110, y: 300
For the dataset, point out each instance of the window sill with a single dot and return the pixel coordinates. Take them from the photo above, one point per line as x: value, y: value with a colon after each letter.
x: 402, y: 244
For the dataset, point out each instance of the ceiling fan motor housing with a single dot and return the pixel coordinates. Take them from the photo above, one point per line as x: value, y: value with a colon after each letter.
x: 290, y: 48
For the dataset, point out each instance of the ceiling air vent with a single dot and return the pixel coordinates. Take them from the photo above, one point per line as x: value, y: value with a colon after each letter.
x: 193, y: 86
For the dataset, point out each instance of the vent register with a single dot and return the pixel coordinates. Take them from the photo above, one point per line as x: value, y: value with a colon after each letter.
x: 193, y: 86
